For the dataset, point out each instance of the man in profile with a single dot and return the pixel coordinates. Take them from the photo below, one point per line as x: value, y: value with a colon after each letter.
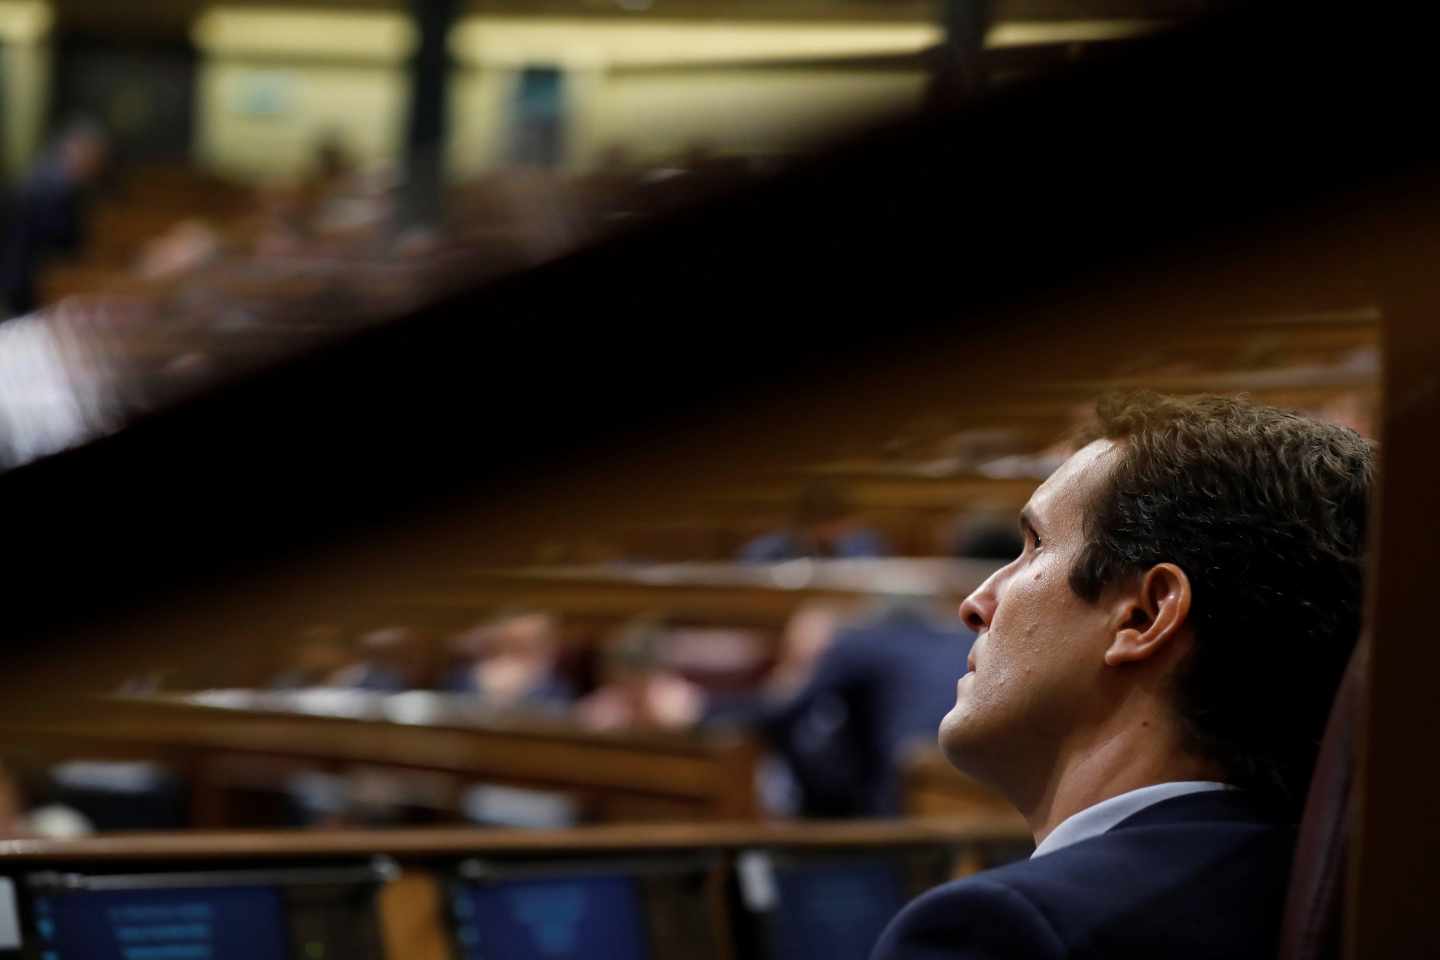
x: 1150, y: 682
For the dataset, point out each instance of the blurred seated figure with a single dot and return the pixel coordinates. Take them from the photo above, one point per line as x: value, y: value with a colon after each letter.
x: 391, y: 659
x: 639, y: 688
x: 46, y: 217
x: 824, y: 526
x: 364, y: 796
x: 512, y: 662
x: 882, y: 682
x: 808, y: 634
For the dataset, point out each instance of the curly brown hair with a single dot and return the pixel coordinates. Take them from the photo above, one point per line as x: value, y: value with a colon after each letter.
x: 1265, y: 510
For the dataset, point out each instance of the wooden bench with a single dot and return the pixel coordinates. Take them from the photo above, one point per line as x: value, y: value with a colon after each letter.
x: 228, y: 752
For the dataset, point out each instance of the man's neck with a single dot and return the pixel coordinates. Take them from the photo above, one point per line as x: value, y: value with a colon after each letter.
x: 1106, y: 767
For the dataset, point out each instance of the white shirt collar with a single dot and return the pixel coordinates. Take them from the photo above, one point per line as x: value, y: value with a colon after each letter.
x: 1095, y: 820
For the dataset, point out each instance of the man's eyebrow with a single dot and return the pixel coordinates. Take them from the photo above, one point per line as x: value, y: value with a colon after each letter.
x: 1027, y: 521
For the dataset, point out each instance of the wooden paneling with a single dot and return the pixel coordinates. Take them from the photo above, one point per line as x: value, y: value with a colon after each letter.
x: 1395, y: 875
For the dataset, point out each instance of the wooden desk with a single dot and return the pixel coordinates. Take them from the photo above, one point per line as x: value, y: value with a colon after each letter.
x: 411, y: 905
x: 429, y: 844
x: 225, y: 749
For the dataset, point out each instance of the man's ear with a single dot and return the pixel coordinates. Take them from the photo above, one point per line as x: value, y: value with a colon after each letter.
x: 1151, y: 616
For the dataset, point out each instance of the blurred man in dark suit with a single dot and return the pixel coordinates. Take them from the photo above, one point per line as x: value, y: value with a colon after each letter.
x: 46, y: 216
x: 1150, y: 682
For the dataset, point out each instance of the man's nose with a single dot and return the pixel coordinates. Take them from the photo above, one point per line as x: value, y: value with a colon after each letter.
x: 977, y: 609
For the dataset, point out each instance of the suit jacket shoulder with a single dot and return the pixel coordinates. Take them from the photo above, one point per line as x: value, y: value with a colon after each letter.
x: 1202, y: 875
x: 978, y: 918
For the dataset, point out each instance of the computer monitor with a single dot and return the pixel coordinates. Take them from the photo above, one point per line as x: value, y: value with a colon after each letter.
x: 832, y: 905
x: 587, y: 910
x: 295, y: 914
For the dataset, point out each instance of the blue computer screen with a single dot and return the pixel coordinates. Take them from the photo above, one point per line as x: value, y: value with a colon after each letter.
x: 220, y: 923
x: 552, y: 918
x: 836, y: 911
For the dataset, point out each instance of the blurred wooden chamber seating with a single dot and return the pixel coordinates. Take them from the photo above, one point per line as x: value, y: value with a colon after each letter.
x: 229, y: 753
x: 720, y: 890
x: 933, y: 788
x: 728, y: 593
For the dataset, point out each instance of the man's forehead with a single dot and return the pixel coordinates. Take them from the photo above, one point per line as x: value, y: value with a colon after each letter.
x: 1072, y: 481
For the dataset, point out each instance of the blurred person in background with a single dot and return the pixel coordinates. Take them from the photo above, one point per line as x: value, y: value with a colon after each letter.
x: 512, y: 662
x: 824, y: 526
x: 46, y: 217
x: 392, y: 659
x: 878, y: 684
x: 639, y: 689
x: 807, y: 635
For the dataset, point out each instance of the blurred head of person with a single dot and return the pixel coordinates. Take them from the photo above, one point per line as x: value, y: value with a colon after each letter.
x: 512, y: 660
x: 84, y: 150
x: 639, y: 687
x: 823, y: 524
x: 391, y: 658
x: 826, y: 524
x: 1185, y: 602
x: 80, y: 151
x: 634, y: 653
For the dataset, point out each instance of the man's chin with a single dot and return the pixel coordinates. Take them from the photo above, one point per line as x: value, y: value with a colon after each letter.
x: 957, y: 740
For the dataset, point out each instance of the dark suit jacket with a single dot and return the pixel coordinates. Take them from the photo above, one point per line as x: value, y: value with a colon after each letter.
x: 42, y: 220
x: 1201, y: 875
